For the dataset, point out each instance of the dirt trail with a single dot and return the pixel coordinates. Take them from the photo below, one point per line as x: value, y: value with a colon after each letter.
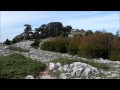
x: 44, y: 73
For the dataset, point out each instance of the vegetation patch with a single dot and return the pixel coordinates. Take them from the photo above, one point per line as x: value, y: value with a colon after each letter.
x: 16, y: 66
x: 56, y: 45
x: 64, y: 61
x: 14, y: 48
x: 36, y: 43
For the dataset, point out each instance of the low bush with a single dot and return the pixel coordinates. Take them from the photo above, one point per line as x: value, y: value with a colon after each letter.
x: 56, y: 45
x: 95, y: 45
x: 36, y: 43
x: 64, y: 61
x: 16, y: 66
x: 47, y: 45
x: 98, y: 65
x: 14, y: 48
x: 73, y: 44
x: 72, y: 48
x: 115, y: 50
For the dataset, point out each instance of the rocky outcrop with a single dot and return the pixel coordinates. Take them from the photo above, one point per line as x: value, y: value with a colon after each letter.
x: 4, y: 51
x: 75, y: 70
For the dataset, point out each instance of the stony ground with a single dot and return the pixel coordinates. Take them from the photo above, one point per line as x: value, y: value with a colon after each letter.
x: 47, y: 56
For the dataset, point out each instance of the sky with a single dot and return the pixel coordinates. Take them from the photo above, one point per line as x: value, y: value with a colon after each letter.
x: 12, y: 22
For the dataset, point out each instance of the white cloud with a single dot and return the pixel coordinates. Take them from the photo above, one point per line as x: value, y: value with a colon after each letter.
x: 10, y: 19
x: 109, y: 21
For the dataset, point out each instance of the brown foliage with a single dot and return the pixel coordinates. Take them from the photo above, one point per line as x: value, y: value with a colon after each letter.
x: 94, y: 45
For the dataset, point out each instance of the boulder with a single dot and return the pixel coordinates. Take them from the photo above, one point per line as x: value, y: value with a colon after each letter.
x: 63, y: 76
x: 77, y: 63
x: 29, y: 77
x: 59, y: 64
x: 73, y: 73
x: 60, y: 69
x: 5, y: 47
x: 87, y: 72
x: 65, y: 67
x: 114, y: 75
x: 84, y: 65
x: 94, y: 70
x: 98, y: 78
x: 79, y: 71
x: 53, y: 66
x: 71, y: 66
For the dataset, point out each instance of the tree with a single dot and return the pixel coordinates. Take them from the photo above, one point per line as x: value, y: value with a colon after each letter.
x: 88, y: 32
x: 52, y: 29
x: 118, y: 33
x: 66, y: 30
x: 14, y: 41
x: 7, y: 42
x: 43, y: 30
x: 27, y: 30
x: 36, y: 34
x: 55, y: 29
x: 35, y: 44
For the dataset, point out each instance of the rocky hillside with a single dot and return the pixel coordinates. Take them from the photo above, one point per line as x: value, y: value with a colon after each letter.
x: 74, y: 70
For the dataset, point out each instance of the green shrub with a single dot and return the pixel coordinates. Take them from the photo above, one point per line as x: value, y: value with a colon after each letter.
x: 61, y: 44
x: 36, y: 43
x: 78, y: 35
x: 47, y: 45
x: 98, y: 65
x: 72, y: 49
x: 74, y: 43
x: 16, y: 66
x: 14, y: 48
x: 84, y: 51
x: 115, y: 50
x: 73, y: 46
x: 64, y: 61
x: 56, y: 45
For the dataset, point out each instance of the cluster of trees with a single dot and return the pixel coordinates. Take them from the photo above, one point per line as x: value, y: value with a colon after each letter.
x: 52, y: 29
x: 91, y: 45
x: 7, y: 42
